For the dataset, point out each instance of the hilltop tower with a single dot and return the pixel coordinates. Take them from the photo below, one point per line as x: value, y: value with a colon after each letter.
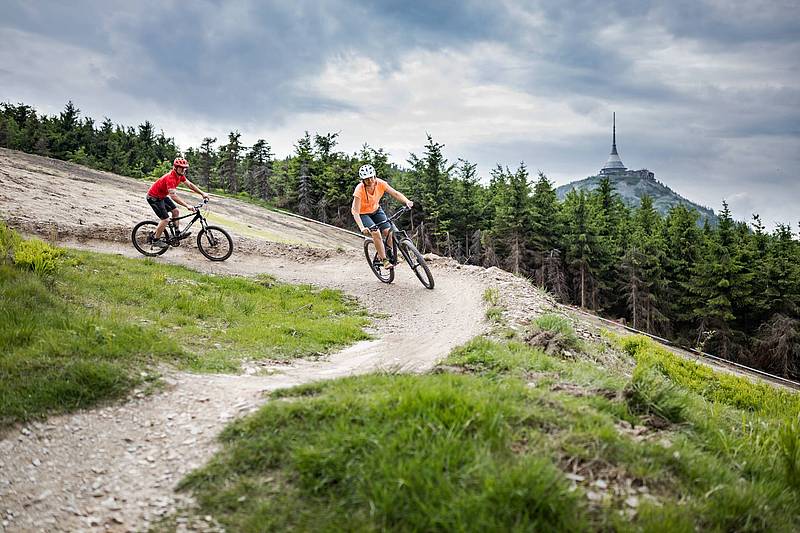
x: 614, y: 164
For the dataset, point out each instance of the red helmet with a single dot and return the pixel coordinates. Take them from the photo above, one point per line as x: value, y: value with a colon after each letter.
x: 180, y: 162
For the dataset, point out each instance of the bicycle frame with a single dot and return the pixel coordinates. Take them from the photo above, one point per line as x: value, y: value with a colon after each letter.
x: 198, y: 215
x: 402, y: 243
x: 396, y: 233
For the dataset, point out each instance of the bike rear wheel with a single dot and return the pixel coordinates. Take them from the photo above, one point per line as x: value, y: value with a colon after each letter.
x: 142, y: 237
x: 417, y: 263
x: 386, y: 275
x: 214, y: 243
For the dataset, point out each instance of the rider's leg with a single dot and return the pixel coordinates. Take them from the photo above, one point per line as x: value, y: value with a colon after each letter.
x: 175, y: 214
x: 376, y: 239
x: 160, y: 228
x: 388, y: 236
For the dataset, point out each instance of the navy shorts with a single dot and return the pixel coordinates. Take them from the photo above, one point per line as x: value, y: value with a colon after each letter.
x: 161, y: 206
x: 377, y: 218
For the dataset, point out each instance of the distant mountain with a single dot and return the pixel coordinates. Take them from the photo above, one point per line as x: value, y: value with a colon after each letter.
x: 631, y: 185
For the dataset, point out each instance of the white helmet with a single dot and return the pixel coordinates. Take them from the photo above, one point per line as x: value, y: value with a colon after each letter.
x: 366, y: 171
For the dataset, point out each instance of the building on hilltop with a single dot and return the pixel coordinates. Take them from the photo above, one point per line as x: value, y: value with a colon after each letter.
x: 614, y: 165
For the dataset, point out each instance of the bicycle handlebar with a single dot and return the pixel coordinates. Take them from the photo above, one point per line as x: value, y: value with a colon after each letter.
x: 392, y: 218
x: 201, y: 204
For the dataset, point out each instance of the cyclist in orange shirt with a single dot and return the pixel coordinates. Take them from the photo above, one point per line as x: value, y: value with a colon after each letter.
x: 367, y: 211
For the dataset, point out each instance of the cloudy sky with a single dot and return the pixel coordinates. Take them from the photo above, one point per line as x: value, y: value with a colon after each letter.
x: 707, y: 92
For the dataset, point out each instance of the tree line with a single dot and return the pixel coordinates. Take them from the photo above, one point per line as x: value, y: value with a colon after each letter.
x: 732, y: 289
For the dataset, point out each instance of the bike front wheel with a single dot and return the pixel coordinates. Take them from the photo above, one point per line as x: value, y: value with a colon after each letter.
x: 214, y: 243
x: 142, y: 237
x: 417, y: 263
x: 386, y: 275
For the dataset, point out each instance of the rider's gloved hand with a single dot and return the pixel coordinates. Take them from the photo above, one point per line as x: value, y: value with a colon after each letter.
x: 365, y: 231
x: 205, y: 197
x: 409, y: 204
x: 192, y: 209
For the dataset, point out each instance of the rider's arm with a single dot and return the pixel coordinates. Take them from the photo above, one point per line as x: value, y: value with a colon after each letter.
x: 400, y: 197
x: 173, y: 193
x: 196, y: 189
x: 354, y: 210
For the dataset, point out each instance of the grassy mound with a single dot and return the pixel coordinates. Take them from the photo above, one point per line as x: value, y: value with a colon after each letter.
x: 77, y: 328
x: 505, y: 437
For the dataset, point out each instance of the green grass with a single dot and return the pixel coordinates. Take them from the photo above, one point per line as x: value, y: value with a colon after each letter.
x: 221, y: 319
x: 386, y: 452
x: 486, y: 443
x: 494, y: 313
x: 560, y: 335
x: 77, y: 328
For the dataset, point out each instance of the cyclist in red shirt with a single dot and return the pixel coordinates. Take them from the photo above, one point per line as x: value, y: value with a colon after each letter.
x: 163, y: 196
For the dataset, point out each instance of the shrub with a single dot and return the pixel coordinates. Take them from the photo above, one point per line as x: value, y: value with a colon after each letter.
x: 789, y: 442
x: 720, y: 387
x: 37, y: 255
x: 9, y: 240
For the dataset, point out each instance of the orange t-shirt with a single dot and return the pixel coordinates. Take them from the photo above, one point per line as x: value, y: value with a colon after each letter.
x: 370, y: 201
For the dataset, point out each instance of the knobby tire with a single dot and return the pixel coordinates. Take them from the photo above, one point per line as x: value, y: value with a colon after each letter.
x: 385, y: 275
x: 417, y: 263
x: 215, y: 243
x: 141, y: 238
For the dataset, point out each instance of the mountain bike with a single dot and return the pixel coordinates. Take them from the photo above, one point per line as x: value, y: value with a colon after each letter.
x: 400, y: 242
x: 213, y: 242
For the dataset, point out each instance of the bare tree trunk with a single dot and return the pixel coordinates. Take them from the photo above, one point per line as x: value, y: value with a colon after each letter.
x: 583, y: 286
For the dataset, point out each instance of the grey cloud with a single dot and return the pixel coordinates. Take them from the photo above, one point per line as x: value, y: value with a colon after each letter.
x: 245, y: 63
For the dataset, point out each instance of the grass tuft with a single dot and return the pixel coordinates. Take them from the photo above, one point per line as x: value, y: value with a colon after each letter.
x: 789, y: 447
x: 554, y: 334
x: 494, y: 313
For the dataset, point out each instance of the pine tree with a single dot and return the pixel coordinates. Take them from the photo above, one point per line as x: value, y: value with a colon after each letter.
x: 258, y: 163
x: 545, y: 230
x: 715, y: 286
x: 208, y: 161
x: 512, y: 218
x: 580, y: 239
x: 607, y: 212
x: 229, y: 161
x: 431, y: 184
x: 682, y: 241
x: 299, y: 186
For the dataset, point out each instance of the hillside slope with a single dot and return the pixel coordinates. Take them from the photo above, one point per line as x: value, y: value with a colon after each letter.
x: 74, y: 200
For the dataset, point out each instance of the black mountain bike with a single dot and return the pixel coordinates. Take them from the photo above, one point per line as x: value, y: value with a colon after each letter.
x: 400, y: 242
x: 213, y: 242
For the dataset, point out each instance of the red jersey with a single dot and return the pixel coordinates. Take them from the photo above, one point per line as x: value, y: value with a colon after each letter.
x: 170, y: 180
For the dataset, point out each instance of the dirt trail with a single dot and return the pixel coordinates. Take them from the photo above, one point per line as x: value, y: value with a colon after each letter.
x: 115, y: 468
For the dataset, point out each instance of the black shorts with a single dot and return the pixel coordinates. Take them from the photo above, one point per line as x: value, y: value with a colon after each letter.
x: 161, y: 206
